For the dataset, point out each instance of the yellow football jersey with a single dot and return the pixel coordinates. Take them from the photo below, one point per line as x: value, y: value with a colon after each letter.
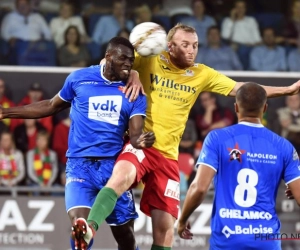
x: 171, y: 93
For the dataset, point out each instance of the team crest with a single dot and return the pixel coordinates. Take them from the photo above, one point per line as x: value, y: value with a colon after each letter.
x: 188, y: 72
x: 236, y: 153
x: 162, y: 57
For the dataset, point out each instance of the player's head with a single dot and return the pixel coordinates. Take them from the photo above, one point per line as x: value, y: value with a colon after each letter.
x: 183, y: 45
x: 251, y: 101
x: 119, y: 59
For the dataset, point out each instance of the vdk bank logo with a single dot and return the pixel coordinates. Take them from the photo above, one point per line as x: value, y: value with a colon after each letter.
x: 105, y: 108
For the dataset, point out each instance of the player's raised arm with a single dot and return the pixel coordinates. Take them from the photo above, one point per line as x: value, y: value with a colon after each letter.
x: 273, y: 91
x: 35, y: 110
x: 138, y: 139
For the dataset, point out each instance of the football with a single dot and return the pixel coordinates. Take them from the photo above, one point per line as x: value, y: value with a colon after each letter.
x: 148, y: 39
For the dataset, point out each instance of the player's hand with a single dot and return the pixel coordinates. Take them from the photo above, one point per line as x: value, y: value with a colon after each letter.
x: 184, y: 231
x: 288, y: 193
x: 133, y: 86
x: 146, y: 140
x: 294, y: 88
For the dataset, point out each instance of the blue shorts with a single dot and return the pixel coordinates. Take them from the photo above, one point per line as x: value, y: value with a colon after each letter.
x: 84, y: 179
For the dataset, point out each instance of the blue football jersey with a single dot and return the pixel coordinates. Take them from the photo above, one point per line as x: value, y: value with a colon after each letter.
x: 250, y: 161
x: 99, y: 113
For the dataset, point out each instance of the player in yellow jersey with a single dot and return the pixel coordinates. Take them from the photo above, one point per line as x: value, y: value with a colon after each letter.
x: 172, y: 82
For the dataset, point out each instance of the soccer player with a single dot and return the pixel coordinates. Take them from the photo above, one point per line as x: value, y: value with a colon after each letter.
x: 100, y: 114
x: 247, y: 162
x: 172, y: 82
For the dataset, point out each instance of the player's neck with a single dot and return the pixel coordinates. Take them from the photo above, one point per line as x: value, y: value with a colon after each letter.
x: 178, y: 65
x: 255, y: 120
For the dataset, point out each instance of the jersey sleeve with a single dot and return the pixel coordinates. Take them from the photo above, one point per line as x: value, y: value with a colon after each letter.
x: 67, y: 92
x: 218, y: 83
x: 292, y: 164
x: 141, y: 62
x: 139, y: 106
x: 209, y: 154
x: 137, y: 61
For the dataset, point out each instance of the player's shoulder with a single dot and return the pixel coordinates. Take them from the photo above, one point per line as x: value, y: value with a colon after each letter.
x: 223, y: 132
x: 279, y: 141
x: 201, y: 68
x: 140, y: 99
x: 84, y: 73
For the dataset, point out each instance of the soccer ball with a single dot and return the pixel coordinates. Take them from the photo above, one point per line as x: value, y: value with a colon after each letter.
x: 148, y: 39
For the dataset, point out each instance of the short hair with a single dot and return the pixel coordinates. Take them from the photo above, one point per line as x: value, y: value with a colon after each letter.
x: 179, y: 26
x: 44, y: 133
x: 251, y: 97
x: 195, y: 1
x: 117, y: 41
x: 214, y: 27
x: 240, y: 1
x: 117, y: 2
x: 268, y: 28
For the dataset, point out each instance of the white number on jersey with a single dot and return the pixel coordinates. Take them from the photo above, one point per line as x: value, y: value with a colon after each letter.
x: 245, y: 193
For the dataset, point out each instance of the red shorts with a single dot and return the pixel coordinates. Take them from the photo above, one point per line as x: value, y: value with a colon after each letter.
x: 160, y: 176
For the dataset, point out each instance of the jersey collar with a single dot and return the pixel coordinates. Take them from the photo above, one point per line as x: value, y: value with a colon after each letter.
x: 106, y: 81
x: 252, y: 124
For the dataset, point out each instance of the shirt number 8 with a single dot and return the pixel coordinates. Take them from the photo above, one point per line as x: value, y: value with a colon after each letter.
x: 245, y: 193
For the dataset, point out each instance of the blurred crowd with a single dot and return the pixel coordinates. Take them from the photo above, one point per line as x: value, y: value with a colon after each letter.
x: 233, y: 35
x: 32, y: 152
x: 74, y: 33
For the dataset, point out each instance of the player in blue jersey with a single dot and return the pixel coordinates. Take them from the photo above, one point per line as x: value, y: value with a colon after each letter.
x: 247, y: 162
x: 100, y: 114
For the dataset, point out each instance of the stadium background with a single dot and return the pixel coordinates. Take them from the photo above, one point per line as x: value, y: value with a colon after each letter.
x: 39, y: 221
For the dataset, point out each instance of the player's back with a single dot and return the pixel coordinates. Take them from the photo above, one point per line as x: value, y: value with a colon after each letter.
x: 251, y: 162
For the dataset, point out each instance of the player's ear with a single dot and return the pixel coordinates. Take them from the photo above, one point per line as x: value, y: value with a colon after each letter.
x: 236, y: 107
x: 107, y: 55
x: 265, y: 107
x: 170, y: 47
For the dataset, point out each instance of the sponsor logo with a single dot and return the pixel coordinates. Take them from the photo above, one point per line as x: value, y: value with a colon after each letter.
x: 172, y: 189
x: 11, y: 215
x: 165, y: 67
x: 168, y: 83
x: 162, y: 57
x: 69, y: 180
x: 261, y: 158
x: 137, y: 152
x: 236, y: 153
x: 89, y: 83
x: 244, y: 215
x: 188, y: 72
x: 246, y: 230
x: 105, y: 108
